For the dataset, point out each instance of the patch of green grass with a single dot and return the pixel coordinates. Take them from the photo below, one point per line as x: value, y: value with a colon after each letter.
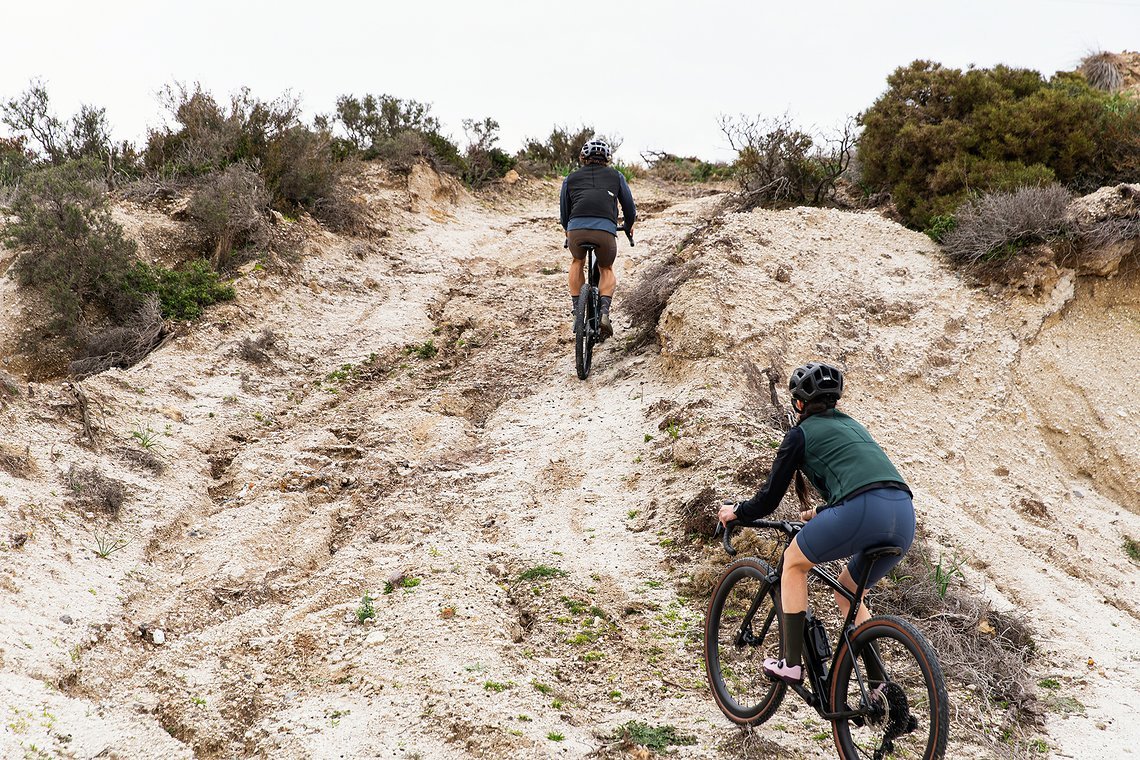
x: 540, y: 572
x: 554, y: 736
x: 557, y: 704
x: 633, y: 513
x: 1039, y: 747
x: 549, y: 270
x: 365, y: 610
x: 1132, y: 548
x: 542, y: 688
x: 524, y: 718
x: 657, y: 738
x: 674, y: 430
x: 1049, y: 683
x: 404, y: 583
x: 648, y: 438
x: 497, y: 687
x: 425, y: 350
x: 593, y: 656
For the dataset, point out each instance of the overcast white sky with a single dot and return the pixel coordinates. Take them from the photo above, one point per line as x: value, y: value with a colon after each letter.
x: 658, y: 72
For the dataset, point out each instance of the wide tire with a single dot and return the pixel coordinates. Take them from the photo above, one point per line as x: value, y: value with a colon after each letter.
x: 583, y: 334
x: 916, y: 719
x: 742, y: 627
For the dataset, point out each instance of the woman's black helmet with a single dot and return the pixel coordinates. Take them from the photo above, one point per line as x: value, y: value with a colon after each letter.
x: 816, y: 381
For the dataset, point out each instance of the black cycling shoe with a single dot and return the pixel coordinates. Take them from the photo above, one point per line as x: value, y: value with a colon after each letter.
x: 607, y: 328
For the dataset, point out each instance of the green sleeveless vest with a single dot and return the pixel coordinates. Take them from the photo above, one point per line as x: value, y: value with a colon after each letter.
x: 840, y: 456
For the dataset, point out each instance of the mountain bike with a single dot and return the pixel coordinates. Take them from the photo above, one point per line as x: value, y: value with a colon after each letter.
x: 587, y: 319
x: 907, y: 716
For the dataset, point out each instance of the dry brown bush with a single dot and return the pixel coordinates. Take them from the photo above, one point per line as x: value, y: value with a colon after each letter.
x: 649, y: 296
x: 256, y: 350
x: 144, y: 458
x: 18, y: 464
x: 405, y: 150
x: 978, y: 647
x: 996, y: 226
x: 122, y: 346
x: 94, y: 490
x: 230, y: 209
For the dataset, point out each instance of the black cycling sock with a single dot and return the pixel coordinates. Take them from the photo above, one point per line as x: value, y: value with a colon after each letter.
x: 574, y: 304
x: 605, y: 303
x: 794, y: 637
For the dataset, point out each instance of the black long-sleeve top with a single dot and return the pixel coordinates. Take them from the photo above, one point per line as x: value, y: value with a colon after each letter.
x: 789, y: 458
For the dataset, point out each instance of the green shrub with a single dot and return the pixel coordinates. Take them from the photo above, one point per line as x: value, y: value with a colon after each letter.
x: 182, y: 294
x: 483, y: 161
x: 15, y: 160
x: 937, y: 135
x: 657, y: 738
x: 395, y: 130
x: 86, y: 135
x: 560, y: 152
x: 689, y: 169
x: 940, y: 225
x: 71, y: 249
x: 208, y: 136
x: 997, y: 225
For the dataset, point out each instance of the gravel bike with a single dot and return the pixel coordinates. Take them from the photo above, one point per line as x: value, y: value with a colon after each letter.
x: 907, y: 716
x: 587, y: 319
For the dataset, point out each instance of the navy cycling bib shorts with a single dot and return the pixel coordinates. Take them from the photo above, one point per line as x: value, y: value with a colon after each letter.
x: 873, y: 518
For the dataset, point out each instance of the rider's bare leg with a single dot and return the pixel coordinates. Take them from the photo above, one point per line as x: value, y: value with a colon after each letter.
x: 607, y: 281
x: 794, y: 600
x: 863, y: 615
x: 577, y: 277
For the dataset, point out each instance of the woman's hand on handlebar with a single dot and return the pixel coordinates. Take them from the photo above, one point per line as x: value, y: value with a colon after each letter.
x: 807, y: 514
x: 727, y: 512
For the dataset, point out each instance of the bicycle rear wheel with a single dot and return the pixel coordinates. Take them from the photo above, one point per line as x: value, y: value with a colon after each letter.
x: 584, y: 332
x: 915, y: 720
x: 742, y: 627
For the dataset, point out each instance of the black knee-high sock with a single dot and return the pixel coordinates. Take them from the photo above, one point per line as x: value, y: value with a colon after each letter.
x: 604, y: 303
x: 574, y: 304
x: 794, y: 637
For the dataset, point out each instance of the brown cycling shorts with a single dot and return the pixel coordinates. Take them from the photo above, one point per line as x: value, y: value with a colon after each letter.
x: 606, y: 243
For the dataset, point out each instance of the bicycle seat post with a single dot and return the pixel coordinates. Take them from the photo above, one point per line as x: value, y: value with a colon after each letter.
x: 870, y: 557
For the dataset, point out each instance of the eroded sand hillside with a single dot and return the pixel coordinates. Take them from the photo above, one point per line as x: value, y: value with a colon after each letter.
x: 416, y: 426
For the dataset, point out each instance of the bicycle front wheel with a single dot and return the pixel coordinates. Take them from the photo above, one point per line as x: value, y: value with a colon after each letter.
x: 584, y: 320
x: 912, y: 718
x: 742, y: 627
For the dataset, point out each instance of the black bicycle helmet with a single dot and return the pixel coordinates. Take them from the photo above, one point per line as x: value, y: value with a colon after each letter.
x: 816, y: 381
x: 597, y: 149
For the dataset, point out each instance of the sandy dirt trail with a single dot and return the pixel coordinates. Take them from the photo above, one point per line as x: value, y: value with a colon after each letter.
x: 417, y: 436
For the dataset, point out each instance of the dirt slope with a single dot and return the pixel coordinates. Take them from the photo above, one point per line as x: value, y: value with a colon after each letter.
x: 525, y: 522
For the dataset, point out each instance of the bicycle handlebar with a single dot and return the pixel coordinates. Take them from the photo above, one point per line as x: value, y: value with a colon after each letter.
x: 788, y: 527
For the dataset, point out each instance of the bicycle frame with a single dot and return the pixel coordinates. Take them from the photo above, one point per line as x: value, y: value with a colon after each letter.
x: 818, y: 673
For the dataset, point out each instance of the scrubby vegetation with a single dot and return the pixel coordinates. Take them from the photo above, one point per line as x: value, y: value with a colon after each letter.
x: 778, y: 163
x: 938, y: 136
x: 997, y: 225
x: 673, y: 168
x: 980, y: 649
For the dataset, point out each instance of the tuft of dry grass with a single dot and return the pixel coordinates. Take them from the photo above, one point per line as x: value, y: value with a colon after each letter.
x: 95, y: 490
x: 981, y: 649
x: 996, y: 226
x: 16, y: 463
x: 1102, y: 71
x: 122, y: 346
x: 650, y: 294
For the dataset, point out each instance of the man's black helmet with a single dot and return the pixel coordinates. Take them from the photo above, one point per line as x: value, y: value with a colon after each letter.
x: 816, y: 381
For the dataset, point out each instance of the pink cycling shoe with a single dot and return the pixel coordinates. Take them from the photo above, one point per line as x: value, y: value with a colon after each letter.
x: 783, y: 671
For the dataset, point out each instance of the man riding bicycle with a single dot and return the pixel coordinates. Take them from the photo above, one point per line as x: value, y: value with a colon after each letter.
x: 588, y: 211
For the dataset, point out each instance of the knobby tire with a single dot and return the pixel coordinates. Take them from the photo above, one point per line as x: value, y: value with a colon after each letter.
x: 916, y: 690
x: 736, y: 670
x: 583, y: 335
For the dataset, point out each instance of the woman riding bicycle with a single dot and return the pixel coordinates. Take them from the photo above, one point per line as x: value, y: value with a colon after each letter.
x: 868, y: 504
